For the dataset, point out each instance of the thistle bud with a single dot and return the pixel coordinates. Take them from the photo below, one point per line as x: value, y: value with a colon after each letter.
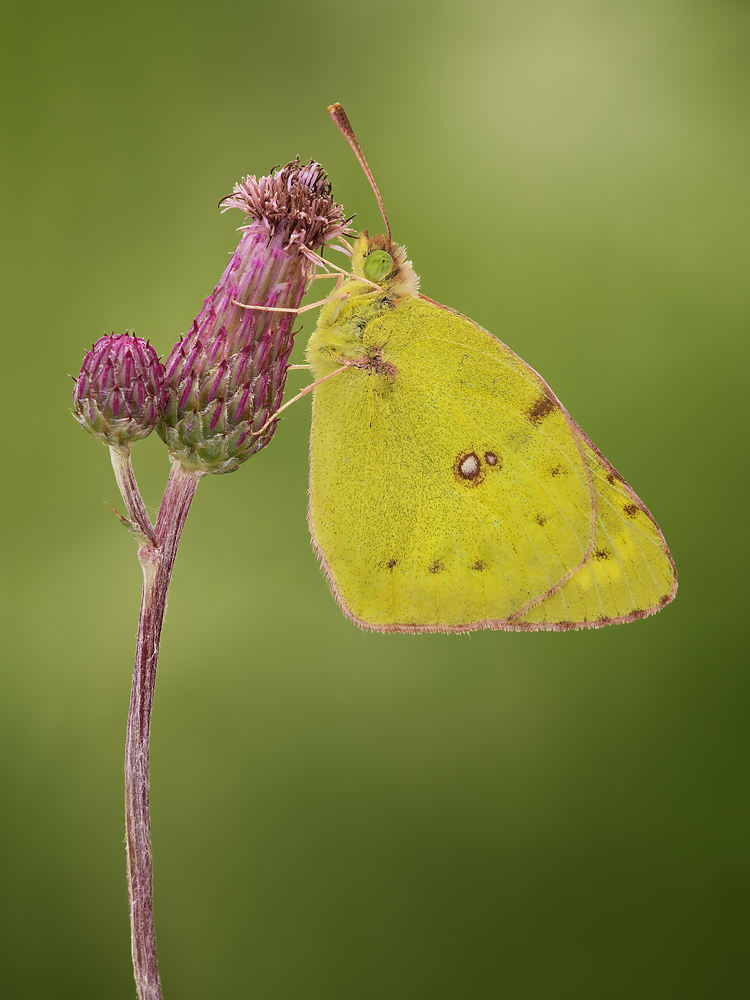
x: 119, y: 394
x: 226, y: 377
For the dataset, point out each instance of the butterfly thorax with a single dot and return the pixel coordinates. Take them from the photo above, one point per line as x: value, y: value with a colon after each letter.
x: 357, y: 303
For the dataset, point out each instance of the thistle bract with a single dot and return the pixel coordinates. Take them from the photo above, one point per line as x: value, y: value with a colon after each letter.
x: 226, y: 377
x: 119, y: 393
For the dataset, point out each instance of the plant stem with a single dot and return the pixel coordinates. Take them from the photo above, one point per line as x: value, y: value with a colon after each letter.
x: 157, y: 562
x: 123, y: 469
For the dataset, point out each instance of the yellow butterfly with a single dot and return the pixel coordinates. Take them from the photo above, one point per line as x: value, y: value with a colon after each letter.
x: 449, y: 488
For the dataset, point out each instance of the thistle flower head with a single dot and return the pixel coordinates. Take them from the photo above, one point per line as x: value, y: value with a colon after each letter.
x: 294, y: 202
x: 119, y: 393
x: 226, y: 377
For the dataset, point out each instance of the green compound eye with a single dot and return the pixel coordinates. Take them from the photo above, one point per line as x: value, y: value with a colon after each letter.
x: 377, y: 265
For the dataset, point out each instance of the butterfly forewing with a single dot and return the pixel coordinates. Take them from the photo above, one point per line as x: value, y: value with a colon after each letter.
x: 630, y: 573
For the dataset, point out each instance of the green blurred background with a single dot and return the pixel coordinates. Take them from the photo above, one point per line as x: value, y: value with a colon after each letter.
x: 337, y: 814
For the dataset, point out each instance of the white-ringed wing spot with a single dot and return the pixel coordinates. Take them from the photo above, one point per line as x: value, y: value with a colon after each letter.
x: 468, y: 465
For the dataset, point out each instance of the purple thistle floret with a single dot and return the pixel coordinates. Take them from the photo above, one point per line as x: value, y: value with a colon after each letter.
x: 226, y: 377
x: 119, y: 395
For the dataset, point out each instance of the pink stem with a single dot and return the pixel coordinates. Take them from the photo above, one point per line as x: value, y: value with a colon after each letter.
x: 157, y: 562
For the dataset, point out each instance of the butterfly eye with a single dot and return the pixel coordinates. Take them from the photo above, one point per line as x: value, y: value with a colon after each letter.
x: 377, y: 265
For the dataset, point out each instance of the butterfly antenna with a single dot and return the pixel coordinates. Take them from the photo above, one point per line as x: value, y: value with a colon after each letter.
x: 339, y: 116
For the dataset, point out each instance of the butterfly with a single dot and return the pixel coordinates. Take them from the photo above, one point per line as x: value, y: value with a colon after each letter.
x: 450, y: 490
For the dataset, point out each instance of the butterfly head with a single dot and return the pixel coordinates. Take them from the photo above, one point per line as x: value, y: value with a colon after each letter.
x: 383, y: 262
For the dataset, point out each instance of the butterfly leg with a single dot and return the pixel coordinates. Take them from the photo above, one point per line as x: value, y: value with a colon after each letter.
x: 285, y: 309
x: 308, y: 388
x: 317, y: 259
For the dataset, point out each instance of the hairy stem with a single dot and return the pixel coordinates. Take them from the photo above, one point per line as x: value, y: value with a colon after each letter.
x: 131, y: 496
x: 157, y: 562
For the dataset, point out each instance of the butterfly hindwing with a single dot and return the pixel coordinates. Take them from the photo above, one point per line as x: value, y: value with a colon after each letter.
x: 449, y: 490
